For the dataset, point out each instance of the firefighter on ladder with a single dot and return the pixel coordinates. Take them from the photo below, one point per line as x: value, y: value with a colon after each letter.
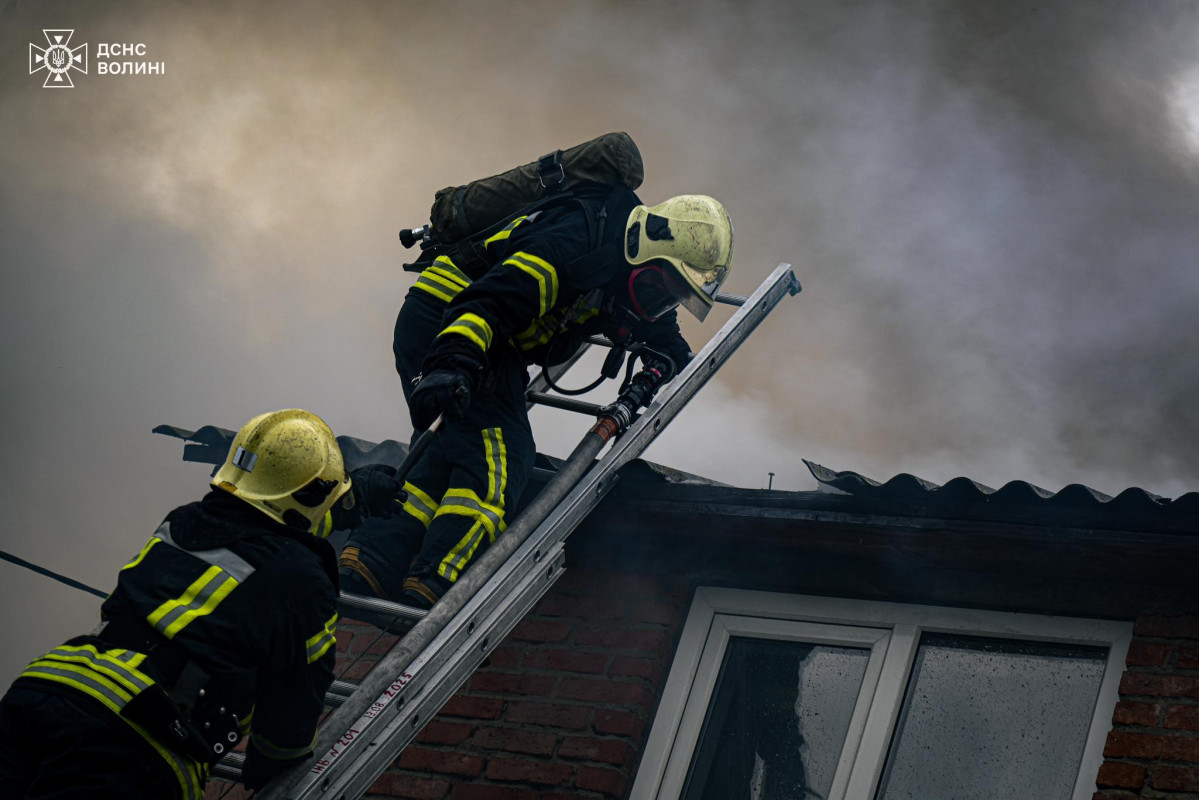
x: 462, y: 346
x: 221, y: 627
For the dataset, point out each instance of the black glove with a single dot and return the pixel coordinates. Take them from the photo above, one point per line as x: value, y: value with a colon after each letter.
x: 445, y: 388
x: 376, y: 491
x: 260, y: 770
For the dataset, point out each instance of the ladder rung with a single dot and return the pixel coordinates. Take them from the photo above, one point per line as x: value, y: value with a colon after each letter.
x: 229, y: 768
x: 392, y: 617
x: 730, y: 299
x: 565, y: 404
x: 338, y: 692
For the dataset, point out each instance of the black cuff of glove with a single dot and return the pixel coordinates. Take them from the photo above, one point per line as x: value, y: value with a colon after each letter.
x: 457, y: 354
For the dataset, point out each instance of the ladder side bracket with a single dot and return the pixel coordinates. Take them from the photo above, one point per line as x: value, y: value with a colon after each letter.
x: 404, y: 725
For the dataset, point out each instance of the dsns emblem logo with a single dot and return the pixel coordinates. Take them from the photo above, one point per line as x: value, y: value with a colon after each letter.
x: 58, y: 59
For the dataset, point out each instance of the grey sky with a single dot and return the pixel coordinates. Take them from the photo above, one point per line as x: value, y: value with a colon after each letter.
x: 992, y: 208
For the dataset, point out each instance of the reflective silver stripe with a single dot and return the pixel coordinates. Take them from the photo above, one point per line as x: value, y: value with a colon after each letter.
x: 88, y: 683
x: 497, y: 478
x: 421, y: 506
x: 226, y: 559
x: 316, y: 649
x: 136, y: 680
x: 474, y: 506
x: 438, y: 290
x: 215, y: 583
x: 244, y: 459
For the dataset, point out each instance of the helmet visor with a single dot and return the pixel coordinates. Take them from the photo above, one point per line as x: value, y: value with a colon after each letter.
x: 653, y: 291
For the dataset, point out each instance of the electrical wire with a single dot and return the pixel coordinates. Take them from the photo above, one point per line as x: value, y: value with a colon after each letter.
x: 83, y: 587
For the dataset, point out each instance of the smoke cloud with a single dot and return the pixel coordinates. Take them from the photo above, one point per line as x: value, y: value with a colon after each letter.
x: 991, y: 206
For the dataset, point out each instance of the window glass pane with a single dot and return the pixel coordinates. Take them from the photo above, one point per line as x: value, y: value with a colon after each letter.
x: 777, y: 721
x: 987, y: 718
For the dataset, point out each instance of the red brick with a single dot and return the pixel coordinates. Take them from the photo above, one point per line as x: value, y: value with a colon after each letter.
x: 505, y: 657
x: 610, y: 751
x: 621, y: 723
x: 473, y: 707
x: 512, y: 683
x: 483, y: 791
x: 528, y: 771
x: 1188, y: 658
x: 567, y: 661
x: 601, y: 779
x: 538, y: 630
x: 1119, y: 775
x: 634, y: 667
x: 424, y: 759
x: 1175, y: 779
x: 661, y: 612
x: 1159, y: 685
x: 1184, y: 717
x: 1149, y: 745
x: 650, y: 640
x: 554, y: 715
x: 515, y: 740
x: 402, y: 784
x: 584, y: 607
x: 1145, y: 654
x: 438, y: 732
x: 1130, y: 713
x: 1184, y: 627
x: 602, y: 691
x: 357, y: 671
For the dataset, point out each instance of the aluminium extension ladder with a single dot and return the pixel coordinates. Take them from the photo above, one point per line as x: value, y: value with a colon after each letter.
x: 374, y: 720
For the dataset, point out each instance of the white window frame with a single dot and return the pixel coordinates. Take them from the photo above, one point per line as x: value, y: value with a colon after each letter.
x: 892, y: 631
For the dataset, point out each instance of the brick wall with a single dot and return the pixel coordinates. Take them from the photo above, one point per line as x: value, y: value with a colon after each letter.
x: 564, y: 706
x: 1153, y: 748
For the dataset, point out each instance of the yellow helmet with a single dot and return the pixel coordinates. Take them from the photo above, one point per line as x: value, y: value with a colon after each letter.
x: 692, y: 233
x: 286, y: 464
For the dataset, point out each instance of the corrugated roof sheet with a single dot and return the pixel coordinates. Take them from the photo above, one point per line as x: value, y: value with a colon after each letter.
x: 963, y: 493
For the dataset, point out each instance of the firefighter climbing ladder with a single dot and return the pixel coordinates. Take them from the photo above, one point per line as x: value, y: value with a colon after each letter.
x: 377, y: 718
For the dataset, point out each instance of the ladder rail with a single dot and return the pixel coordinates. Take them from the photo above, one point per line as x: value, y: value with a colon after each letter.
x: 356, y: 754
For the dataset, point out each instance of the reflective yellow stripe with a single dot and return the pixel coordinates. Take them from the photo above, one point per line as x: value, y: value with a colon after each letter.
x: 543, y: 272
x: 419, y: 504
x: 272, y: 750
x: 111, y: 678
x: 443, y: 266
x: 538, y: 333
x: 488, y: 513
x: 465, y: 503
x: 82, y: 679
x: 497, y: 466
x: 318, y: 645
x: 325, y: 526
x: 427, y: 284
x: 190, y: 773
x: 145, y: 551
x: 473, y: 327
x: 200, y: 599
x: 461, y: 554
x: 506, y: 232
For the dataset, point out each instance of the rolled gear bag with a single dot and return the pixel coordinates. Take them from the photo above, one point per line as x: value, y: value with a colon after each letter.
x: 460, y: 211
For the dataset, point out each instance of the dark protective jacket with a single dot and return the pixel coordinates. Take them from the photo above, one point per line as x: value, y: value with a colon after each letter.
x: 553, y: 281
x: 249, y: 602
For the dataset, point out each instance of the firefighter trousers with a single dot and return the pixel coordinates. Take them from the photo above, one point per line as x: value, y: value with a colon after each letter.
x: 461, y: 489
x: 53, y: 747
